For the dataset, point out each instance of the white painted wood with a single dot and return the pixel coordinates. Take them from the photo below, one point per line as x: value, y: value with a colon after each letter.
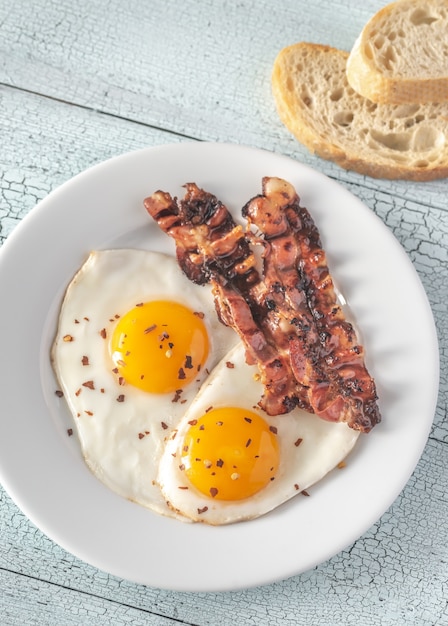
x: 199, y: 68
x: 82, y: 82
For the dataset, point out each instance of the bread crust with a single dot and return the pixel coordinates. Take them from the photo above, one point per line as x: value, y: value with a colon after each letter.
x: 320, y: 108
x: 398, y: 57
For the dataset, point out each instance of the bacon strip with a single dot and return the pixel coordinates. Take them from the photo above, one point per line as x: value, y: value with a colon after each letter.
x: 210, y: 246
x: 290, y: 320
x: 325, y: 353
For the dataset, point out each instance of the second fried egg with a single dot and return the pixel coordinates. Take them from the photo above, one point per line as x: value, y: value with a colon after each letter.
x: 228, y: 461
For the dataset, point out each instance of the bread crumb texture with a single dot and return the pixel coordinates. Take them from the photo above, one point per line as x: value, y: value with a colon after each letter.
x: 400, y: 55
x: 322, y: 110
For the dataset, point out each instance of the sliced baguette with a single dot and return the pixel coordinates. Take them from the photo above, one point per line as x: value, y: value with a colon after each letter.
x: 401, y: 54
x: 318, y: 106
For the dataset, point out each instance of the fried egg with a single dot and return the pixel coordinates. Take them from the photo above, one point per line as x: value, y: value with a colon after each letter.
x: 135, y: 340
x: 228, y: 461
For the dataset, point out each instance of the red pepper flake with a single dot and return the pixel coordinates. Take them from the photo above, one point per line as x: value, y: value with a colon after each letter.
x: 164, y: 426
x: 199, y: 314
x: 150, y: 329
x: 273, y: 429
x: 219, y: 463
x: 121, y: 381
x: 219, y: 423
x: 67, y: 338
x: 202, y: 427
x: 115, y: 370
x: 181, y: 375
x: 140, y: 435
x: 298, y: 442
x: 193, y: 422
x: 305, y: 493
x: 76, y: 321
x: 89, y: 383
x: 139, y: 304
x: 182, y: 467
x: 230, y: 365
x: 296, y: 487
x: 248, y: 442
x: 177, y: 395
x: 102, y: 390
x: 203, y: 510
x: 341, y: 465
x: 182, y: 487
x: 59, y: 393
x: 188, y: 362
x: 248, y: 420
x: 87, y: 319
x: 120, y: 398
x: 88, y: 412
x: 209, y: 409
x: 121, y: 363
x: 103, y: 333
x: 183, y: 401
x: 85, y: 360
x: 78, y: 391
x: 213, y: 492
x: 69, y: 432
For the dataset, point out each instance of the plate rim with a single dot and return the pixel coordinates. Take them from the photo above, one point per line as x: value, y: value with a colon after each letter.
x: 20, y: 232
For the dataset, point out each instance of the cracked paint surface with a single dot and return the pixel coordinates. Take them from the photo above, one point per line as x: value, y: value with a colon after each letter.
x: 397, y: 573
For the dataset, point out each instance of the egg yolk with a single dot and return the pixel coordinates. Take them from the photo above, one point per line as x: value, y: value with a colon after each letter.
x: 230, y: 454
x: 159, y: 346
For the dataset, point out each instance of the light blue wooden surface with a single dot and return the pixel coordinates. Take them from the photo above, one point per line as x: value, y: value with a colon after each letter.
x: 84, y: 81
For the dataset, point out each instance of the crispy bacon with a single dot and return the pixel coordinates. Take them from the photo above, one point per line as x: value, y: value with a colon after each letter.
x: 326, y: 356
x: 211, y: 247
x: 289, y: 319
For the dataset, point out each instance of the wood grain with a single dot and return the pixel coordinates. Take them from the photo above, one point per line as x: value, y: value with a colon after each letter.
x: 83, y: 82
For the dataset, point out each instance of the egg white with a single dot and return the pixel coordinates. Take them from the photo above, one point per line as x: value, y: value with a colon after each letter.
x: 121, y: 429
x: 323, y: 446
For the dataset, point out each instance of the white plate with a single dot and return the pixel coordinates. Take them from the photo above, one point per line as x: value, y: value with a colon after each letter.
x: 41, y: 467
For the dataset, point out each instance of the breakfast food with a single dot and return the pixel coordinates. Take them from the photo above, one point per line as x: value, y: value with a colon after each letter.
x: 177, y: 412
x: 287, y: 314
x: 228, y: 461
x: 124, y: 403
x: 316, y: 103
x: 400, y: 55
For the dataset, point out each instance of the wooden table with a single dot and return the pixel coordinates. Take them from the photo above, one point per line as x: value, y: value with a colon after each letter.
x: 84, y: 81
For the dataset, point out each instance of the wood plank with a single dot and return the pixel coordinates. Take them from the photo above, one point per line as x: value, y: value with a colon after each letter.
x: 32, y: 602
x: 144, y: 75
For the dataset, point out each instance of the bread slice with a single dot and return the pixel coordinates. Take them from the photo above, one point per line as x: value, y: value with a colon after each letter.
x: 318, y: 106
x: 401, y: 54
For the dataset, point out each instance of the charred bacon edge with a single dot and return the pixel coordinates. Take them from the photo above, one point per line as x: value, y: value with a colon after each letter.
x: 210, y: 247
x: 347, y: 386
